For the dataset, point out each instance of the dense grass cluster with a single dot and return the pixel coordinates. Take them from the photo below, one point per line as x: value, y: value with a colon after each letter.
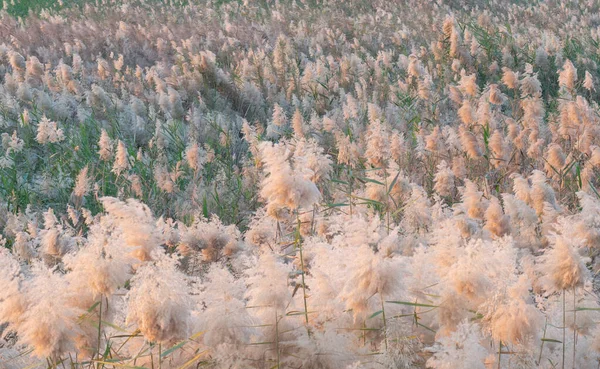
x: 300, y: 184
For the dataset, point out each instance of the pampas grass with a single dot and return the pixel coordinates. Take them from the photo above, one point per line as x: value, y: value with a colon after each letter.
x: 327, y: 184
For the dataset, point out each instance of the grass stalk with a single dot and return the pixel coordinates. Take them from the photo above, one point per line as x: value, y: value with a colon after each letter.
x: 499, y: 353
x: 299, y: 248
x: 542, y: 345
x: 564, y: 328
x: 277, y: 339
x: 385, y: 340
x: 99, y: 332
x: 574, y: 327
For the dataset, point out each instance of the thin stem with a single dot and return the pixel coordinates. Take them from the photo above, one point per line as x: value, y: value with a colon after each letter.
x: 364, y: 333
x: 72, y: 361
x: 574, y: 327
x: 312, y: 222
x: 277, y: 338
x: 387, y: 201
x: 99, y: 331
x: 564, y: 329
x: 299, y: 246
x: 278, y: 231
x: 351, y: 180
x: 151, y: 355
x: 542, y: 345
x: 499, y: 353
x: 384, y: 322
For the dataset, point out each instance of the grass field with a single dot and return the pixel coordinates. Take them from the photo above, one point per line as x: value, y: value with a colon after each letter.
x: 20, y: 8
x: 300, y: 184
